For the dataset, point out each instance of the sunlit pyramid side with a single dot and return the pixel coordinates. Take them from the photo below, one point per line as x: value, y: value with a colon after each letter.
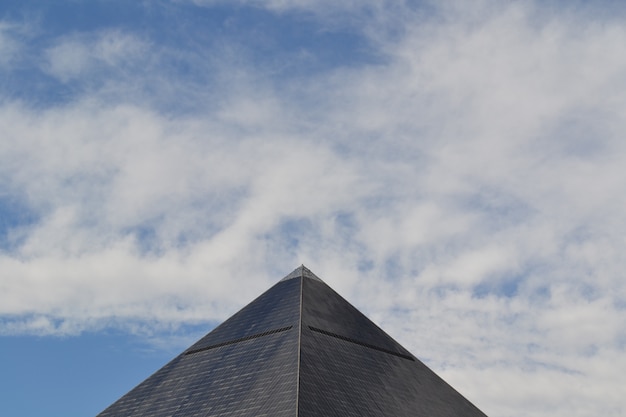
x: 299, y: 349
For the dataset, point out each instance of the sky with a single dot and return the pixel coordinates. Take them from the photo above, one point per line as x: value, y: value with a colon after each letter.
x: 456, y: 170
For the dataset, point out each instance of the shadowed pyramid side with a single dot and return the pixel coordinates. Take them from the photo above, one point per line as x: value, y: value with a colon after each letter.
x: 246, y: 367
x: 300, y: 350
x: 349, y: 367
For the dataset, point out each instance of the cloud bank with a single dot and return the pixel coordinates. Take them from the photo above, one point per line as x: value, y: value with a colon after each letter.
x: 462, y: 185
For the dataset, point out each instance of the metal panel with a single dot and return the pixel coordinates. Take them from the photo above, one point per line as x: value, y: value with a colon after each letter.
x: 249, y: 366
x: 233, y: 371
x: 350, y: 368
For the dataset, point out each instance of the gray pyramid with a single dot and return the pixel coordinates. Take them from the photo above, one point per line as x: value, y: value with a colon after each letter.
x: 301, y: 350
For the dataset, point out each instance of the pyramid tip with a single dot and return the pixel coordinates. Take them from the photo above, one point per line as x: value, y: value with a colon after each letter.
x: 301, y: 272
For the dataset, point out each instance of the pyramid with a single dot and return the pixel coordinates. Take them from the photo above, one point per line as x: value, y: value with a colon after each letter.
x: 299, y: 349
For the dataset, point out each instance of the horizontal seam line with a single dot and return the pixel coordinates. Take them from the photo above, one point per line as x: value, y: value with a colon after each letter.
x: 241, y: 339
x: 357, y: 342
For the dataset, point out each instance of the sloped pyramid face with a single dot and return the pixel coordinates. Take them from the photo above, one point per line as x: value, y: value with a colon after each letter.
x: 301, y: 350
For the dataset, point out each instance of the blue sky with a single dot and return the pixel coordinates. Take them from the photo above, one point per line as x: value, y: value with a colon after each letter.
x: 454, y: 170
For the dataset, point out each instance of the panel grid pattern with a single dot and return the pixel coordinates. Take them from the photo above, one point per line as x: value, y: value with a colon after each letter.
x: 300, y: 350
x: 350, y: 368
x: 276, y: 308
x: 252, y: 378
x: 241, y: 339
x: 247, y: 367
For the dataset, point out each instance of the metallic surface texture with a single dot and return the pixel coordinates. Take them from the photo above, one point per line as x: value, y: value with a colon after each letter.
x: 301, y: 350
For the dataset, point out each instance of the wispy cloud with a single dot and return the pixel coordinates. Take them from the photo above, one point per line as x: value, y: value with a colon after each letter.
x: 465, y: 188
x: 79, y: 56
x: 13, y: 36
x: 7, y: 44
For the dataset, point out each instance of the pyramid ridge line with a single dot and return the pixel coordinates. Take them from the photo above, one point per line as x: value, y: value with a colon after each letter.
x: 360, y: 343
x: 238, y: 340
x: 299, y: 363
x: 308, y: 348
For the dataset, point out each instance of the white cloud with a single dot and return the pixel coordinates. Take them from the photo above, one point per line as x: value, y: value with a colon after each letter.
x: 81, y: 55
x: 10, y: 42
x: 316, y: 6
x: 466, y: 192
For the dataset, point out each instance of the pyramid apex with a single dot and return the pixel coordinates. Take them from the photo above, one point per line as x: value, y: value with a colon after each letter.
x: 301, y: 272
x: 299, y: 349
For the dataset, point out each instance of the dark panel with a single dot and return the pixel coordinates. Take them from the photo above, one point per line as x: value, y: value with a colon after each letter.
x: 323, y: 308
x: 350, y: 368
x: 342, y: 379
x: 247, y: 366
x: 255, y: 377
x: 358, y: 342
x: 233, y: 341
x: 276, y: 308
